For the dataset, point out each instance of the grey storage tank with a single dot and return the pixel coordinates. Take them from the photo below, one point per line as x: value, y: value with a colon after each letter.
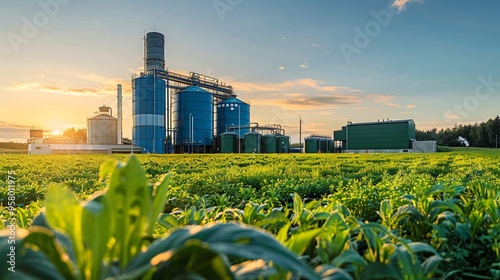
x: 228, y: 142
x: 283, y: 143
x: 312, y: 145
x: 269, y: 143
x: 252, y: 142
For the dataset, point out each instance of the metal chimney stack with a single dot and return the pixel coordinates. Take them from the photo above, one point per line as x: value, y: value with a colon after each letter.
x: 120, y: 118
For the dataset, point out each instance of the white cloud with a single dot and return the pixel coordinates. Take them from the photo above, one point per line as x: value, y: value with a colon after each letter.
x: 316, y: 45
x: 401, y: 4
x: 305, y: 94
x: 452, y: 116
x: 23, y: 87
x: 411, y: 106
x: 304, y: 65
x: 287, y: 86
x: 281, y: 68
x: 384, y: 99
x: 98, y: 85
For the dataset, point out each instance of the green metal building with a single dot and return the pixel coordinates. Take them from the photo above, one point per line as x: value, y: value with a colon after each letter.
x: 381, y: 135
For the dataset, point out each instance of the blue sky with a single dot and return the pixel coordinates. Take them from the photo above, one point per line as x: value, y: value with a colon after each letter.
x: 437, y: 62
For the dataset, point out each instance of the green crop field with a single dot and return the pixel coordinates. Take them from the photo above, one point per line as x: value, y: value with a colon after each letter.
x: 282, y: 216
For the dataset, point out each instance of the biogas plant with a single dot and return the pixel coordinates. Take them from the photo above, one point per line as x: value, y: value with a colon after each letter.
x: 195, y: 113
x: 172, y: 113
x: 175, y: 113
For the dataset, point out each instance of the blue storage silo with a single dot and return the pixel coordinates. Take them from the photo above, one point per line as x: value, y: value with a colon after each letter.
x: 233, y: 112
x: 193, y: 116
x: 148, y: 112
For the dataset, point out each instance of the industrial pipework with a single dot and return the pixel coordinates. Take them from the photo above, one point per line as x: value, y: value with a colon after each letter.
x: 120, y: 114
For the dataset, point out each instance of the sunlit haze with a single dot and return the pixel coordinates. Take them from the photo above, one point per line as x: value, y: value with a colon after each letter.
x: 437, y: 62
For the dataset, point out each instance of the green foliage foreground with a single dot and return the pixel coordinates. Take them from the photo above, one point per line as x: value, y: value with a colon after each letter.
x: 373, y: 217
x: 110, y: 236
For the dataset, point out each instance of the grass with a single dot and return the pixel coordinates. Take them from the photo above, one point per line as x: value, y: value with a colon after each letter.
x: 370, y: 204
x: 476, y: 151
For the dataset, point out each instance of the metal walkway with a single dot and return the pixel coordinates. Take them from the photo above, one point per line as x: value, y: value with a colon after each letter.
x: 178, y: 81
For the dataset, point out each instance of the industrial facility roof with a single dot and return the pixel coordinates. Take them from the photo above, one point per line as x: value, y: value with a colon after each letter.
x: 383, y: 121
x: 70, y: 148
x: 233, y: 100
x: 194, y: 89
x: 103, y: 117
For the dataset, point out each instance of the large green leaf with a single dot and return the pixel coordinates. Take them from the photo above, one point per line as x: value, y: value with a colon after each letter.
x: 420, y: 247
x: 44, y: 240
x: 64, y: 213
x: 282, y: 235
x: 159, y: 197
x: 250, y: 212
x: 349, y: 257
x: 331, y: 272
x: 407, y: 262
x: 37, y: 256
x: 298, y: 209
x: 97, y: 229
x: 298, y: 242
x: 335, y: 223
x: 131, y: 202
x: 378, y: 270
x: 168, y: 221
x: 194, y: 257
x: 431, y: 264
x: 251, y: 270
x: 228, y: 239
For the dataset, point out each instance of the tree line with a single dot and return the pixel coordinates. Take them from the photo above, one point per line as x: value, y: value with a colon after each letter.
x: 73, y: 133
x: 483, y: 134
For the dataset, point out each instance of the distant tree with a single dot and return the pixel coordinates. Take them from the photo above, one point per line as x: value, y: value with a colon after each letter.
x: 72, y: 133
x: 126, y: 141
x: 492, y: 127
x: 478, y: 135
x: 13, y: 145
x: 482, y: 135
x: 296, y: 145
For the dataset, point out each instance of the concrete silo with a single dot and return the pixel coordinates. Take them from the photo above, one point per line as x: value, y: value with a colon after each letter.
x: 102, y: 128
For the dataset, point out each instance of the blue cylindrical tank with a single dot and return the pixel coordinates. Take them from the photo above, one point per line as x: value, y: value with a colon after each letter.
x: 233, y: 112
x: 148, y: 112
x: 193, y: 116
x: 154, y: 47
